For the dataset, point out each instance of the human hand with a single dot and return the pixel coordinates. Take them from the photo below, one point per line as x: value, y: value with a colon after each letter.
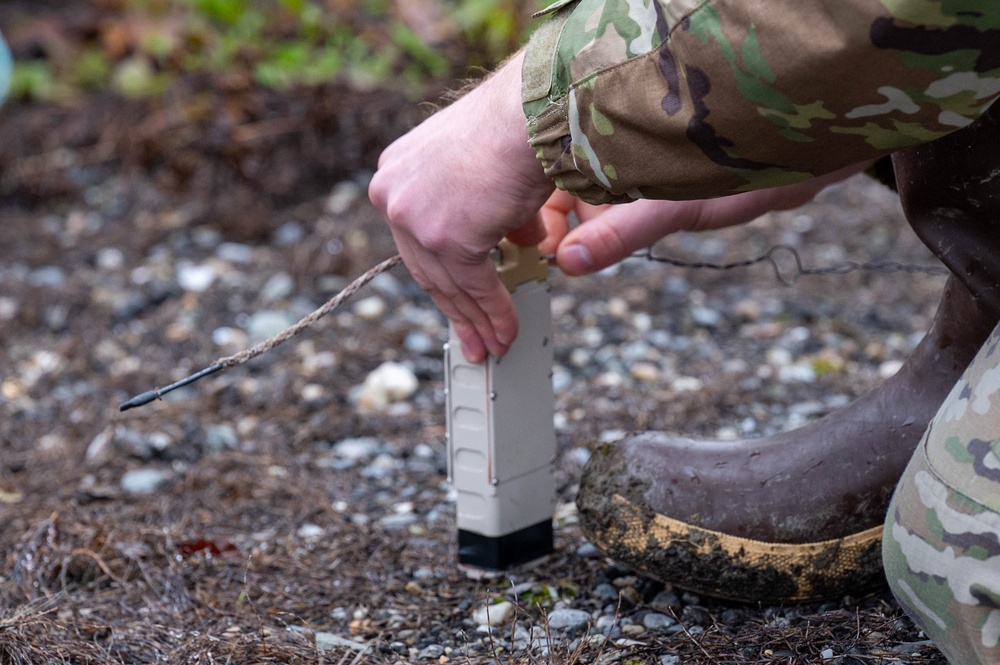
x: 607, y: 234
x: 451, y: 189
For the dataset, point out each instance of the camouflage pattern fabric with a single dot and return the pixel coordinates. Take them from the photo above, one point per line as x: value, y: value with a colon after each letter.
x: 941, y: 545
x: 683, y: 99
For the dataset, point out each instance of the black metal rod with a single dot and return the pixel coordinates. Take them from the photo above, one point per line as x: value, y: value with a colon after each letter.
x: 156, y: 393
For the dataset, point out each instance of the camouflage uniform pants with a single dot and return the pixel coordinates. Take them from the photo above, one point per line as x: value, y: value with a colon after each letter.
x: 941, y: 544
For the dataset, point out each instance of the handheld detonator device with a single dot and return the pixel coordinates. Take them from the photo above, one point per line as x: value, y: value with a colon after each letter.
x: 501, y: 438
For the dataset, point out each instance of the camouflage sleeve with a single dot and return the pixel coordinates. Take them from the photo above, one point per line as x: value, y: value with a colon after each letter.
x: 684, y: 99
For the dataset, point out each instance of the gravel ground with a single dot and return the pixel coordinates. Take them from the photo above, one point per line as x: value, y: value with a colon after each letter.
x: 282, y: 512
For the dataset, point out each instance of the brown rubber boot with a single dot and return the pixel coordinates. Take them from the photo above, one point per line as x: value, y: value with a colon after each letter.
x: 798, y: 515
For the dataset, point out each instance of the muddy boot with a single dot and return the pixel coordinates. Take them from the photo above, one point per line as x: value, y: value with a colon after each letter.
x: 798, y: 515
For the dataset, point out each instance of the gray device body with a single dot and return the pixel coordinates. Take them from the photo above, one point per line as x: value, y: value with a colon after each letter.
x: 501, y: 437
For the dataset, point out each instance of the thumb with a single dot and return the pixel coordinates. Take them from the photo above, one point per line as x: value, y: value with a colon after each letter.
x: 615, y: 234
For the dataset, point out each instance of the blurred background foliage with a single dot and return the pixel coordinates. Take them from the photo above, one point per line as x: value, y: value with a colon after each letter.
x: 140, y: 47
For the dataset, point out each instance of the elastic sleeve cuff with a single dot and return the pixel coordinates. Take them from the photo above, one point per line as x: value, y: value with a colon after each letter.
x: 547, y: 112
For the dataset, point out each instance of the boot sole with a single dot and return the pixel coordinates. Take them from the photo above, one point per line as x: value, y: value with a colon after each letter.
x: 725, y: 566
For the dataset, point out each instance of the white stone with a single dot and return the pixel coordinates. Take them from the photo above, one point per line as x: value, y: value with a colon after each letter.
x: 99, y: 447
x: 195, y: 278
x: 312, y: 392
x: 144, y: 481
x: 797, y: 373
x: 110, y: 258
x: 686, y: 384
x: 493, y: 615
x: 389, y: 382
x: 310, y: 531
x: 370, y: 308
x: 357, y: 448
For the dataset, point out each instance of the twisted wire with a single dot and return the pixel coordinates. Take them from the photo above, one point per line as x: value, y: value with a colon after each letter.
x: 842, y: 268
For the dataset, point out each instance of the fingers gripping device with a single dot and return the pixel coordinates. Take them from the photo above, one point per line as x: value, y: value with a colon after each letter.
x: 501, y: 439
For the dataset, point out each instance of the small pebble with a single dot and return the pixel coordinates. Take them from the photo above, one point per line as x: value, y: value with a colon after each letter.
x: 49, y: 276
x: 267, y: 323
x: 195, y: 278
x: 221, y: 437
x: 358, y: 448
x: 494, y: 615
x: 144, y: 481
x: 277, y: 287
x: 647, y: 372
x: 704, y: 316
x: 370, y: 309
x: 420, y: 343
x: 398, y: 521
x: 234, y: 252
x: 310, y: 531
x: 431, y: 652
x: 289, y: 233
x: 567, y: 619
x: 657, y: 621
x: 606, y: 592
x: 389, y: 382
x: 686, y: 384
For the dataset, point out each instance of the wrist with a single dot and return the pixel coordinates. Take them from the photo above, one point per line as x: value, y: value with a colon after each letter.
x: 511, y: 127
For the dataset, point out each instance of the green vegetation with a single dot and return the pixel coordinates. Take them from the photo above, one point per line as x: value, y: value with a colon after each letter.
x: 141, y: 46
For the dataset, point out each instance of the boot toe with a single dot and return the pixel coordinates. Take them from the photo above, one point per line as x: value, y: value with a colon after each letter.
x: 631, y: 523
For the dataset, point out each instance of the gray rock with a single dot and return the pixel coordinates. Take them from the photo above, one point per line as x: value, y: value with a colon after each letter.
x: 144, y: 481
x: 666, y: 598
x: 606, y: 592
x: 358, y: 448
x: 267, y: 322
x: 289, y: 233
x: 221, y: 437
x: 568, y: 619
x: 331, y: 642
x: 395, y: 522
x: 418, y: 342
x: 134, y: 443
x: 705, y: 316
x: 431, y: 652
x: 50, y: 276
x: 657, y: 621
x: 234, y: 252
x: 277, y: 287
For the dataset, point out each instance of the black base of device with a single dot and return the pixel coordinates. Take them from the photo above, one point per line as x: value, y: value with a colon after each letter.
x: 503, y: 552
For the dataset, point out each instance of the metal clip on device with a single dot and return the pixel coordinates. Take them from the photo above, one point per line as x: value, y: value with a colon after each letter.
x: 501, y: 440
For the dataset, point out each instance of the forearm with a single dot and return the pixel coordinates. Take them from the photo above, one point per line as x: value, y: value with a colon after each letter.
x: 699, y: 100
